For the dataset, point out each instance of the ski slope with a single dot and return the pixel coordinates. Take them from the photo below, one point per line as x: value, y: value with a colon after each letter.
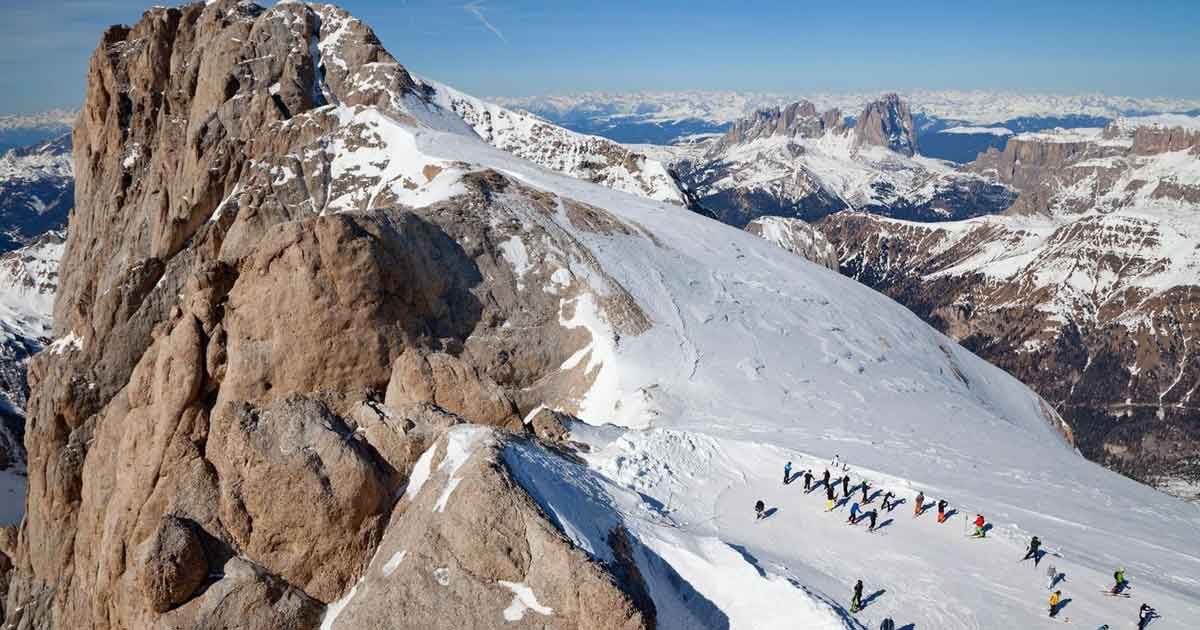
x: 757, y: 357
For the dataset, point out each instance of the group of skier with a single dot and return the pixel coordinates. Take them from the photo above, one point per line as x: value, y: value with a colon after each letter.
x: 1145, y: 613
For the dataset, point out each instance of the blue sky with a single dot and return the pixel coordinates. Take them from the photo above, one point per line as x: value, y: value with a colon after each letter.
x: 517, y: 47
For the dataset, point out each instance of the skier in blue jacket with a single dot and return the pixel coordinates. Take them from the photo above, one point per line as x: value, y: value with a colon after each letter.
x: 853, y: 514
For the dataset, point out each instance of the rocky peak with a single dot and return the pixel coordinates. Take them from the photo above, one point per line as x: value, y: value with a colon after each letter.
x: 291, y: 301
x: 887, y: 122
x: 798, y: 119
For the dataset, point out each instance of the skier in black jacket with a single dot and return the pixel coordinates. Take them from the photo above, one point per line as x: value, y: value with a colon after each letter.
x: 866, y: 487
x: 829, y: 497
x: 807, y: 480
x: 758, y: 509
x: 856, y: 601
x: 826, y: 476
x: 873, y: 514
x: 846, y: 486
x: 1145, y: 615
x: 1035, y: 545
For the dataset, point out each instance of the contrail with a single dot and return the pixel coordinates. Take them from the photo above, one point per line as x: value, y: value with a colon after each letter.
x: 476, y: 9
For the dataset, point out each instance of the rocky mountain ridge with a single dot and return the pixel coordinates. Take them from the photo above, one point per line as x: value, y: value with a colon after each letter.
x: 975, y: 107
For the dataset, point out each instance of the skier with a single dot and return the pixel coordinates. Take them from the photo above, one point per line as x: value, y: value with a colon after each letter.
x: 1051, y: 576
x: 807, y: 480
x: 856, y: 601
x: 1032, y: 552
x: 980, y: 532
x: 887, y: 500
x: 866, y: 487
x: 1119, y: 581
x: 758, y: 509
x: 942, y: 511
x: 1054, y: 599
x: 787, y: 473
x: 846, y: 486
x: 1145, y: 615
x: 872, y: 515
x: 826, y: 476
x: 918, y: 508
x: 829, y: 498
x: 887, y: 624
x: 837, y: 461
x: 853, y: 514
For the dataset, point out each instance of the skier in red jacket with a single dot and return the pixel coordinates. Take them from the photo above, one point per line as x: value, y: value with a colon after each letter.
x: 980, y: 532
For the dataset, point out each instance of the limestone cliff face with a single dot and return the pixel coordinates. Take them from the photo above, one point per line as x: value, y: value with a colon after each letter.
x: 267, y: 311
x: 887, y: 122
x: 796, y: 119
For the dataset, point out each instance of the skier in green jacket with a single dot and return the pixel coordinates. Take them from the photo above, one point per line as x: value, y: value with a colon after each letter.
x: 1119, y: 581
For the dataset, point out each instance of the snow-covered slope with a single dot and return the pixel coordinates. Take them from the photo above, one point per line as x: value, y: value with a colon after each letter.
x: 756, y: 357
x: 587, y: 157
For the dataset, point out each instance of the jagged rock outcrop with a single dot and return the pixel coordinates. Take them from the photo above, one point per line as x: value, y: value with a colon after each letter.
x: 1087, y: 292
x: 271, y: 302
x: 468, y: 500
x: 797, y: 237
x: 887, y: 122
x: 797, y: 119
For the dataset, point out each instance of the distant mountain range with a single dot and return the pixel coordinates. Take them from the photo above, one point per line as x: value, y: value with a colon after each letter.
x: 19, y: 130
x: 668, y: 117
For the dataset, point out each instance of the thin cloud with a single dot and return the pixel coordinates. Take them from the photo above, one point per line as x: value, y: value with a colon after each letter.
x: 476, y: 9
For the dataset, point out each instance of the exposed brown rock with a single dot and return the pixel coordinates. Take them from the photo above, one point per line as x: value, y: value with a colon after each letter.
x: 171, y: 564
x: 888, y: 123
x: 469, y: 537
x: 796, y: 119
x: 448, y: 382
x: 549, y: 425
x: 257, y: 362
